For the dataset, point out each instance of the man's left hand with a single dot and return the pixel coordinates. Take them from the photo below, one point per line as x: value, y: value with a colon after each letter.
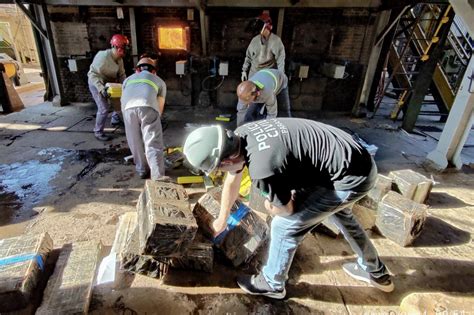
x: 283, y: 211
x: 218, y: 226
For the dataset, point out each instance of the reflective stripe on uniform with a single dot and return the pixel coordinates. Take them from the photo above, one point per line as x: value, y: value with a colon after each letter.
x: 146, y: 81
x: 274, y: 78
x: 259, y: 84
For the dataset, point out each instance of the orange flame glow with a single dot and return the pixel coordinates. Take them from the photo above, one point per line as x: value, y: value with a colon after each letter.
x: 171, y: 38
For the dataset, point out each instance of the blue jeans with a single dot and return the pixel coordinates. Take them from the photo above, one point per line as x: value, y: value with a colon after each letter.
x: 288, y: 232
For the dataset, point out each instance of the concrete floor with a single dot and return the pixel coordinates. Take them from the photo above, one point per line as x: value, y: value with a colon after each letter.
x: 56, y: 177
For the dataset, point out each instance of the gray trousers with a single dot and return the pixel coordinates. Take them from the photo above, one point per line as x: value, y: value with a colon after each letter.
x: 102, y: 111
x: 145, y: 139
x: 253, y: 111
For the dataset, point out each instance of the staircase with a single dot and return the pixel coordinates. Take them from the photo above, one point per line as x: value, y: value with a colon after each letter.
x: 416, y: 34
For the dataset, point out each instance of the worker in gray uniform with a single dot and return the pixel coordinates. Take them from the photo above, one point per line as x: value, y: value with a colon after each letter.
x: 265, y: 51
x: 262, y: 95
x: 107, y: 67
x: 143, y: 102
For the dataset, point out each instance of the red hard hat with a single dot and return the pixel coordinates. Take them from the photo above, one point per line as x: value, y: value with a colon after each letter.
x: 119, y: 40
x: 265, y: 17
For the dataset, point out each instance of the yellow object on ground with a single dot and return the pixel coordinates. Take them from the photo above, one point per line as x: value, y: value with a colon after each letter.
x: 245, y: 184
x: 173, y: 149
x: 190, y: 180
x: 114, y: 89
x: 222, y: 118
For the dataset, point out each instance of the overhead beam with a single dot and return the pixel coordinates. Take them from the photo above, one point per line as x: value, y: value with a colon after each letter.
x: 133, y: 33
x: 296, y: 4
x: 217, y: 3
x: 114, y: 3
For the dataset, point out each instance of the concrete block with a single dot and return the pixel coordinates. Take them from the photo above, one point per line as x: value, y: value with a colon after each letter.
x: 69, y: 289
x: 246, y: 231
x: 412, y: 185
x: 400, y: 219
x: 22, y: 261
x: 166, y: 226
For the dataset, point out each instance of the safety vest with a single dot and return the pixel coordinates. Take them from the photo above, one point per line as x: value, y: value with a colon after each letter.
x: 146, y: 81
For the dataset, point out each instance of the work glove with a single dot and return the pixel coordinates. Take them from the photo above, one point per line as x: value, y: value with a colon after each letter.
x: 244, y: 76
x: 104, y: 92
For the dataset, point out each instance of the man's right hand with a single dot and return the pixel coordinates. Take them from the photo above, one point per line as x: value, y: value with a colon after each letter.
x: 105, y: 93
x: 244, y: 76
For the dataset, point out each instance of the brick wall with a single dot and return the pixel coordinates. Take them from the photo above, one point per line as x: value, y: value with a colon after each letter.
x: 311, y: 36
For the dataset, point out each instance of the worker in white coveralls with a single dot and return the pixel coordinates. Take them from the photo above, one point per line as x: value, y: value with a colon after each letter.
x: 265, y: 51
x: 262, y: 95
x: 107, y: 67
x: 143, y: 102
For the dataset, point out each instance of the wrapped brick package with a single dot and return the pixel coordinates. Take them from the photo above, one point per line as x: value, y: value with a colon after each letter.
x: 127, y: 247
x: 22, y: 261
x: 69, y: 288
x: 166, y: 229
x: 365, y: 209
x: 166, y: 224
x: 412, y: 185
x: 155, y: 267
x: 257, y: 200
x: 156, y: 190
x: 200, y: 256
x: 400, y: 219
x: 245, y: 231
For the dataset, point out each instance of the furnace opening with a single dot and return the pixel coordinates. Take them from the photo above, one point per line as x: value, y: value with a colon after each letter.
x: 173, y: 37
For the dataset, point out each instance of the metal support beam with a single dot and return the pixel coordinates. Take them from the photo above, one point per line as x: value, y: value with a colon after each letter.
x: 51, y: 60
x: 382, y: 20
x: 389, y: 27
x: 31, y: 18
x: 384, y: 51
x: 203, y: 25
x: 425, y: 76
x: 281, y: 18
x: 457, y: 128
x: 133, y: 33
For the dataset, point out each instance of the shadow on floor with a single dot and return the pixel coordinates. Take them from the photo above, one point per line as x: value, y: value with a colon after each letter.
x: 438, y: 233
x: 419, y: 275
x: 442, y: 200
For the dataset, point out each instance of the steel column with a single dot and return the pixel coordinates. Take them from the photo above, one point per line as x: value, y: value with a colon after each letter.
x: 425, y: 76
